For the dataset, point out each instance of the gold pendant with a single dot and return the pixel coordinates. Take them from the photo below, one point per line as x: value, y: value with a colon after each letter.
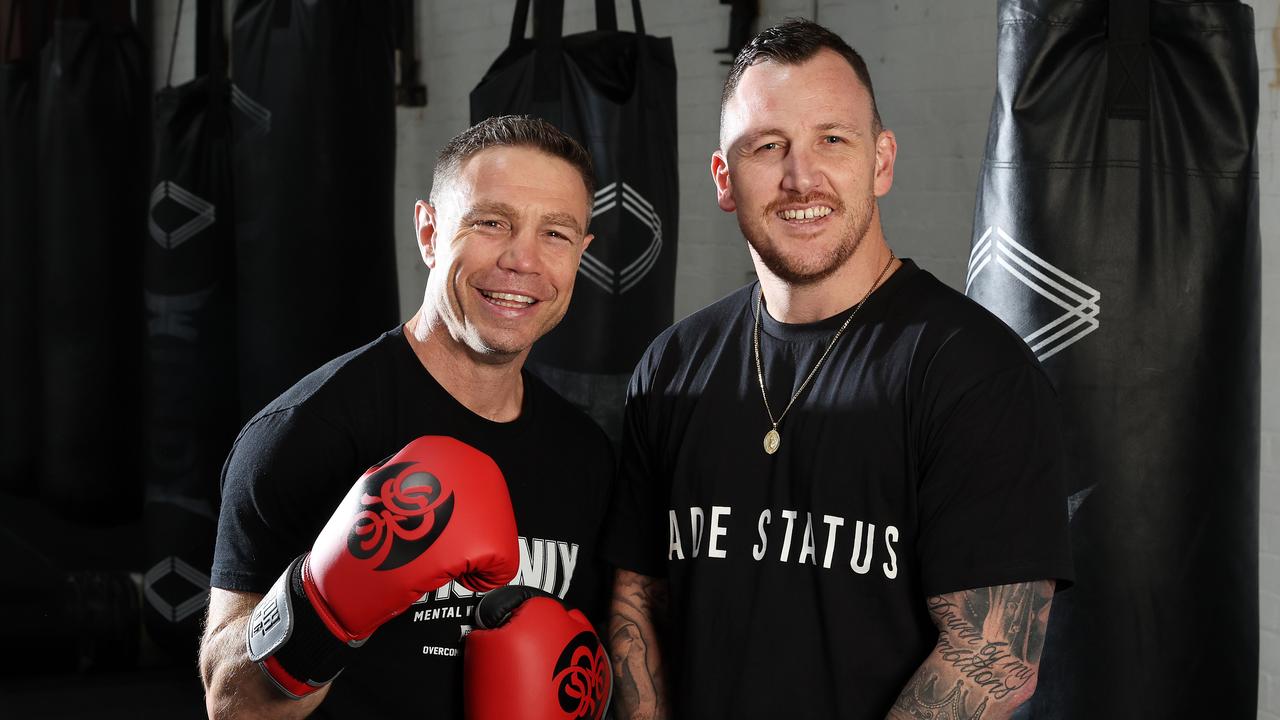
x: 771, y: 441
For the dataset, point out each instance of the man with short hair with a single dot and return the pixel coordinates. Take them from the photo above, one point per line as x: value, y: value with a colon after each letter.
x: 840, y: 489
x: 502, y: 232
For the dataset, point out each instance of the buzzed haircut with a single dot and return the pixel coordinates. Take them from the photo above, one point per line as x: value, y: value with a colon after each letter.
x: 512, y: 131
x: 791, y: 43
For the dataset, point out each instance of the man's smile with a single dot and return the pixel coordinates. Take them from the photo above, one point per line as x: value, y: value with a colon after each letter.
x: 509, y: 300
x: 804, y: 214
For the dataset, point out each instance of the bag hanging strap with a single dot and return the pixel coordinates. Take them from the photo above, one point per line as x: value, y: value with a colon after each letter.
x: 606, y: 15
x: 548, y: 28
x: 638, y: 16
x: 173, y: 45
x: 211, y: 46
x: 606, y: 18
x: 1128, y: 59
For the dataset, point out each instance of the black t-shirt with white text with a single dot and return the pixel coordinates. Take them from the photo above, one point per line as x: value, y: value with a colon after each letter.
x: 924, y: 458
x: 297, y: 458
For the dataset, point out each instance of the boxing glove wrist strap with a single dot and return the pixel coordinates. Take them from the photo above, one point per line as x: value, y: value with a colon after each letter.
x: 290, y: 642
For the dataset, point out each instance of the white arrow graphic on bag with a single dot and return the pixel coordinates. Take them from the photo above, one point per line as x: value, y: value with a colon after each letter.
x: 615, y: 282
x: 1078, y: 300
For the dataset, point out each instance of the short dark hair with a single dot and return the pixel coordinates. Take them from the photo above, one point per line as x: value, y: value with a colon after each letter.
x: 512, y: 131
x: 791, y: 43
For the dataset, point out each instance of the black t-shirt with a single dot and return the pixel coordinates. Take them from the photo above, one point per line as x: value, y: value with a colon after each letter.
x: 299, y: 456
x: 924, y: 458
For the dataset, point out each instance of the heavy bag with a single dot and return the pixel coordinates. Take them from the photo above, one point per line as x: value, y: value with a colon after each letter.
x: 615, y: 92
x: 1116, y: 230
x: 19, y: 353
x: 191, y: 411
x: 313, y: 127
x: 93, y: 148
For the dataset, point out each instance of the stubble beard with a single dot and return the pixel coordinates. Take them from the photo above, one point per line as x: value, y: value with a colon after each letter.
x: 796, y: 270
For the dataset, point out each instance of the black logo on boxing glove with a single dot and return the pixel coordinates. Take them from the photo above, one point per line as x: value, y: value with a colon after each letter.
x: 402, y: 513
x: 582, y: 677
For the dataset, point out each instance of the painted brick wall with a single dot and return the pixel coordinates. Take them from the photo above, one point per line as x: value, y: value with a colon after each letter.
x: 1268, y: 36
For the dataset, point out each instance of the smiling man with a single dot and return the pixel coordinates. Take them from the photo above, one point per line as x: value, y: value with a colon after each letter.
x: 502, y: 233
x: 840, y: 490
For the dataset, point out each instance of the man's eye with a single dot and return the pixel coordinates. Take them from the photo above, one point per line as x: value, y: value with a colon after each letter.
x: 833, y: 139
x: 489, y: 223
x: 769, y: 146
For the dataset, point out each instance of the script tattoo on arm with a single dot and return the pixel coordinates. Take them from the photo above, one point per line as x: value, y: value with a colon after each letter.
x: 987, y: 657
x: 638, y: 609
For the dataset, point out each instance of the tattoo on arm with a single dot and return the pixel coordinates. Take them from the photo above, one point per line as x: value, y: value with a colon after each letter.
x: 639, y: 606
x: 987, y: 657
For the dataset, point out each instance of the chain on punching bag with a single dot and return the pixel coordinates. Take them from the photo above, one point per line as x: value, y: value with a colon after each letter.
x: 189, y: 272
x: 1116, y: 231
x: 614, y: 92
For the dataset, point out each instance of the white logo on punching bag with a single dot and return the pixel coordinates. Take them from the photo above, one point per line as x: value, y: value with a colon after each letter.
x: 193, y: 592
x: 202, y: 215
x: 1078, y: 301
x: 619, y: 195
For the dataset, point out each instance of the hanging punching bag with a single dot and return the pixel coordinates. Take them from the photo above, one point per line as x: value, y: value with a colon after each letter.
x: 313, y: 126
x: 93, y: 145
x: 189, y: 272
x: 614, y: 92
x: 19, y: 355
x: 1117, y: 231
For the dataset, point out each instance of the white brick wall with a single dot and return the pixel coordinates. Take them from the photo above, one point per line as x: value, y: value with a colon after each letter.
x: 933, y: 65
x: 1265, y: 18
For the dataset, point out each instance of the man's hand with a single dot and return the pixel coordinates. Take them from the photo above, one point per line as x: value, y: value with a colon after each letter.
x: 639, y: 607
x: 987, y: 657
x: 435, y: 512
x: 532, y: 657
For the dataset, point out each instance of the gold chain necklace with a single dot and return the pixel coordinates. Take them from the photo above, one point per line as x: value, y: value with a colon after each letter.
x: 772, y: 440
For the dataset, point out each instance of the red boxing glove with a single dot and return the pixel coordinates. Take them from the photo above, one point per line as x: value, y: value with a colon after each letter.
x: 436, y: 511
x: 531, y: 658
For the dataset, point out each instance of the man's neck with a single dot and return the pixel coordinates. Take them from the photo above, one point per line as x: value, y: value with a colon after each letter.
x: 491, y: 389
x: 792, y: 304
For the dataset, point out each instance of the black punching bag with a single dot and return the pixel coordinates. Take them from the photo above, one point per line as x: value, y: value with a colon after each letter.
x: 614, y: 92
x: 313, y: 126
x: 93, y: 148
x: 19, y: 355
x: 1117, y: 231
x: 191, y: 410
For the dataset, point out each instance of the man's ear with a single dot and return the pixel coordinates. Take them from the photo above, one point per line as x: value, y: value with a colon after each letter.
x: 886, y: 153
x: 424, y: 226
x: 724, y: 186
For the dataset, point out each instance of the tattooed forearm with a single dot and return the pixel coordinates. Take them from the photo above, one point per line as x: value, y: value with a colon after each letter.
x: 987, y: 656
x: 639, y: 605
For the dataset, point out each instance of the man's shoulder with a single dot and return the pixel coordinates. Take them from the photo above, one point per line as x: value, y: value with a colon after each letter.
x: 949, y: 321
x: 566, y: 417
x: 328, y: 391
x: 701, y: 328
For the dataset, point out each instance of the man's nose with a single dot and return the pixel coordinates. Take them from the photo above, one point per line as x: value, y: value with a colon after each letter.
x: 521, y: 252
x: 801, y: 171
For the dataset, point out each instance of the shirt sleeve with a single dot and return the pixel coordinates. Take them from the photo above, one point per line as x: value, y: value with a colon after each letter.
x: 992, y: 505
x: 631, y: 539
x: 281, y: 481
